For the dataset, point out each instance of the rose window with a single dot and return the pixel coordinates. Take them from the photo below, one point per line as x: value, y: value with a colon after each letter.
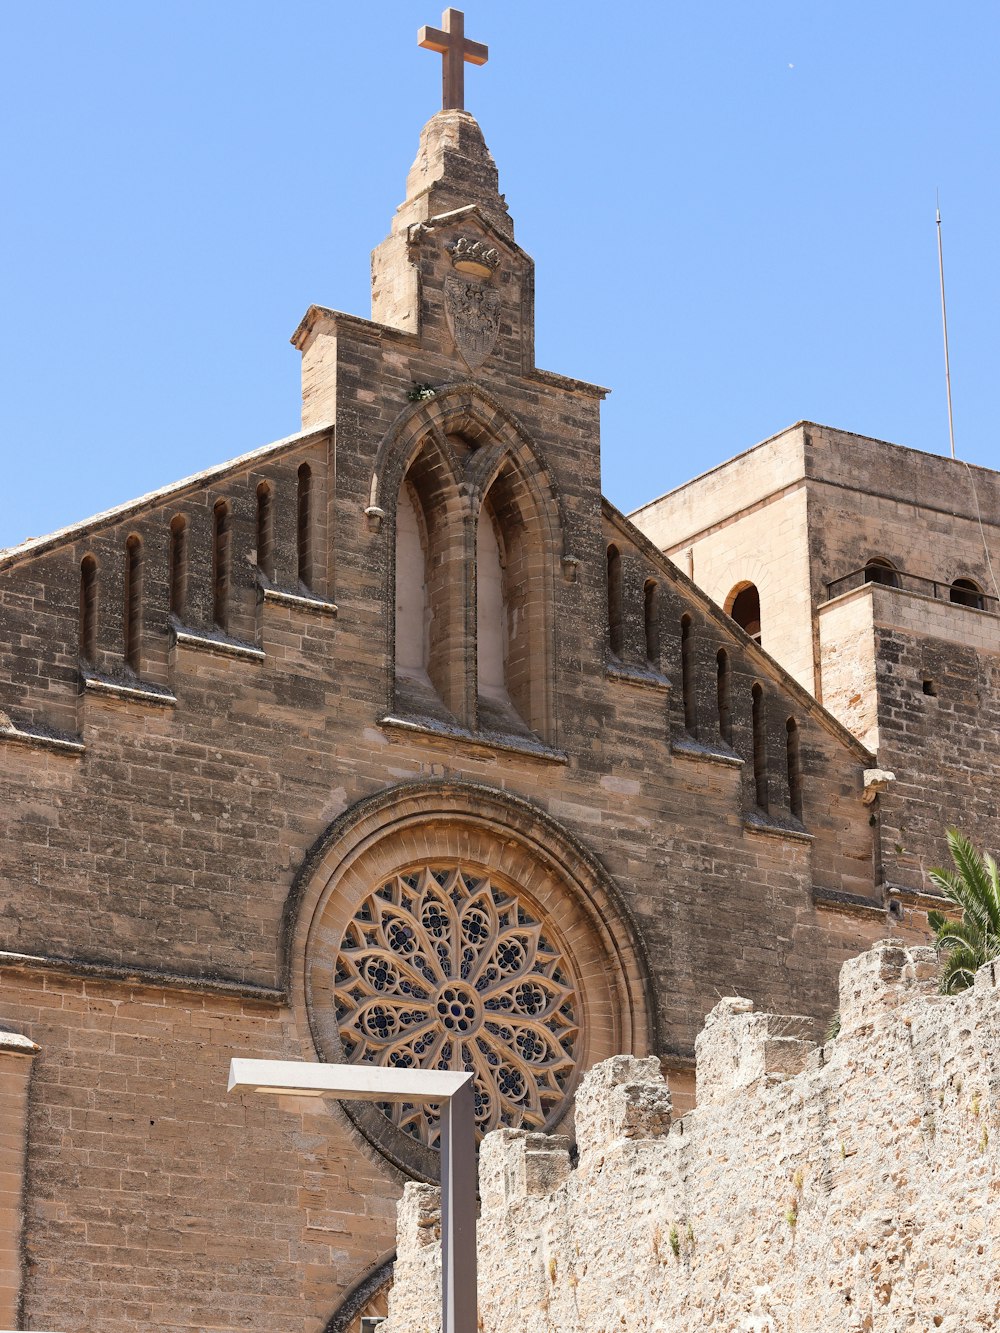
x: 446, y: 969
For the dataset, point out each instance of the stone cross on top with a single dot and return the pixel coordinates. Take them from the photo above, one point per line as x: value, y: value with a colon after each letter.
x: 456, y: 49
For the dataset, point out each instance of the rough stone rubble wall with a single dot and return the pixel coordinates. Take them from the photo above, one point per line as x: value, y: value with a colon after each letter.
x: 849, y: 1187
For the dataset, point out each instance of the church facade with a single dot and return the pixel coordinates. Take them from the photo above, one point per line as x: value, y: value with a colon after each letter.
x: 390, y: 742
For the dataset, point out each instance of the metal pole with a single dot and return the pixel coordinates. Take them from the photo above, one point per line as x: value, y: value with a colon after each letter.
x: 453, y: 1091
x: 458, y: 1212
x: 944, y: 325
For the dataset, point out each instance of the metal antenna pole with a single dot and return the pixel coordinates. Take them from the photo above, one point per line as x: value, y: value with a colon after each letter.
x: 944, y: 325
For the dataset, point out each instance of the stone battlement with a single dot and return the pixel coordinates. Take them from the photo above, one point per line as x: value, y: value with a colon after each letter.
x: 850, y: 1186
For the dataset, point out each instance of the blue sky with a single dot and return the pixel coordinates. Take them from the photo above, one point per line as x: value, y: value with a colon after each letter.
x: 731, y: 209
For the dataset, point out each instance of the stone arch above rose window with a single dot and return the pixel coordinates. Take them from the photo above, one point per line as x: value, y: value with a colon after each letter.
x: 450, y: 926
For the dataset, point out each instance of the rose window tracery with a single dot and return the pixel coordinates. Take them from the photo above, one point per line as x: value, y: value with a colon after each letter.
x: 449, y: 969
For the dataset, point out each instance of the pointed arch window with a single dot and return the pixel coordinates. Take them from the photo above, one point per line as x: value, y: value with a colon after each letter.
x: 88, y: 609
x: 431, y: 569
x: 474, y: 610
x: 412, y: 610
x: 132, y: 620
x: 511, y: 606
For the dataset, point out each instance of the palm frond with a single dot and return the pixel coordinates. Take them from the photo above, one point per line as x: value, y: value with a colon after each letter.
x: 974, y: 887
x: 959, y: 972
x: 952, y: 933
x: 973, y: 875
x: 993, y: 873
x: 964, y: 895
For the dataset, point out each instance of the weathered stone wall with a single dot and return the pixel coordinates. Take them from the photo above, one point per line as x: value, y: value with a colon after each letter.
x: 16, y: 1054
x: 936, y: 700
x: 847, y: 657
x: 918, y: 679
x: 847, y: 1187
x: 920, y: 511
x: 939, y: 713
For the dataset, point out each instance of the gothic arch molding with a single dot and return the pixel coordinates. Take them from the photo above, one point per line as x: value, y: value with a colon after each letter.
x: 469, y: 410
x: 503, y: 467
x: 561, y: 885
x: 367, y: 1296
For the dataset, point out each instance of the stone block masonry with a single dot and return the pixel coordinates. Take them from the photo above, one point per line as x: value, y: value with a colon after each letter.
x: 847, y: 1187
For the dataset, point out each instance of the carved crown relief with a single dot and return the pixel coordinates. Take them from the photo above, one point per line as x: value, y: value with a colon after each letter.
x: 471, y: 301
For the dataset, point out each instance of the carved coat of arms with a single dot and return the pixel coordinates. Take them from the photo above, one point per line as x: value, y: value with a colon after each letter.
x: 473, y: 310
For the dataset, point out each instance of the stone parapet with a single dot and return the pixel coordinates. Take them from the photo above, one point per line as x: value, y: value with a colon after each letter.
x: 847, y: 1187
x: 622, y: 1099
x: 737, y: 1047
x: 516, y: 1164
x: 883, y: 978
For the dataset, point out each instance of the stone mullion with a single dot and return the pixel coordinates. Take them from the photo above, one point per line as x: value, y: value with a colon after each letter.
x: 465, y: 593
x: 484, y: 1073
x: 445, y: 578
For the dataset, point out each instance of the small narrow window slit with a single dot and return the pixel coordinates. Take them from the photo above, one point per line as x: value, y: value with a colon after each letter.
x: 132, y: 620
x: 616, y: 633
x: 221, y: 564
x: 305, y: 525
x: 759, y: 747
x: 794, y: 768
x: 724, y: 695
x: 177, y: 566
x: 651, y: 622
x: 88, y: 609
x: 265, y: 531
x: 687, y: 676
